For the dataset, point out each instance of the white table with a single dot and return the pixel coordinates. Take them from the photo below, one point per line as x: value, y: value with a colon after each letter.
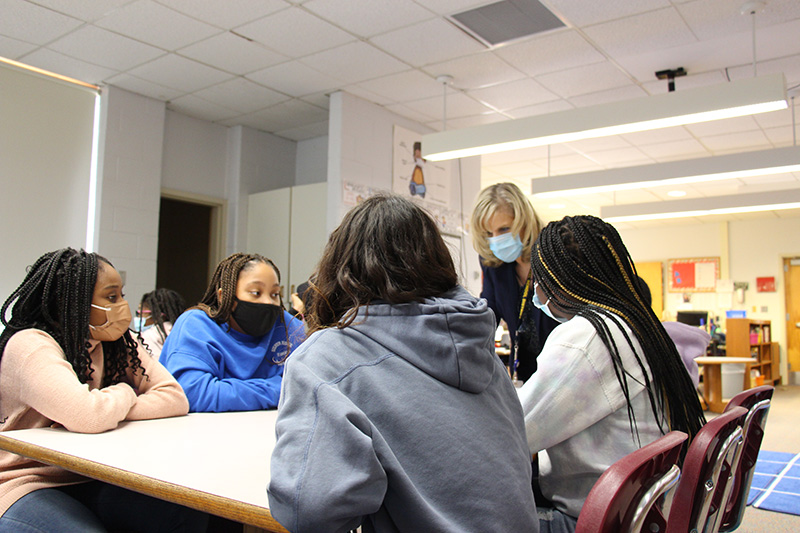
x: 214, y: 462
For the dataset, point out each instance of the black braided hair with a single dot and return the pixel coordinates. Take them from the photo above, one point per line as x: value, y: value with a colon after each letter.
x: 165, y: 305
x: 583, y: 265
x: 218, y: 305
x: 56, y: 297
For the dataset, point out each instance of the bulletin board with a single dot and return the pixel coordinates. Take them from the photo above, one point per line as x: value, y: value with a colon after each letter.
x: 693, y: 274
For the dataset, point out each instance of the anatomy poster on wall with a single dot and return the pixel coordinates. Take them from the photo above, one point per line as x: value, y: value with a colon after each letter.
x: 414, y: 176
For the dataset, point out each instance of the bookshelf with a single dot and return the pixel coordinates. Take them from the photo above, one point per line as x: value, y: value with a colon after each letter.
x: 745, y: 337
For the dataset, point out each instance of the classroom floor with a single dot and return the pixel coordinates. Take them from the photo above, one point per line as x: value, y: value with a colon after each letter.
x: 782, y: 434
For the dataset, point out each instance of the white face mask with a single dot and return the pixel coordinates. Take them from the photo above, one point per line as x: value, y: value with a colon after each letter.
x: 543, y: 307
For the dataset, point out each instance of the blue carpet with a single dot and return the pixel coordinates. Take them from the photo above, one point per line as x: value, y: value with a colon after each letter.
x: 776, y: 483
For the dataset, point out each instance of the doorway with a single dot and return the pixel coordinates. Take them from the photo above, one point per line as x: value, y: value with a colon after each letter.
x: 187, y: 246
x: 791, y: 269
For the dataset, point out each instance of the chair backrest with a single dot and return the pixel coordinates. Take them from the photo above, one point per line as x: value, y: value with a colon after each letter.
x: 634, y: 494
x: 707, y: 474
x: 757, y: 402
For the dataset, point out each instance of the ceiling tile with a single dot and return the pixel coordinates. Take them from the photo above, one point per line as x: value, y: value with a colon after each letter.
x: 432, y: 41
x: 720, y: 127
x: 197, y: 107
x: 180, y: 73
x: 710, y: 19
x: 584, y: 80
x: 241, y: 95
x: 231, y: 53
x: 540, y: 109
x: 515, y: 94
x: 636, y: 34
x: 675, y: 150
x: 626, y: 156
x: 628, y: 92
x: 68, y: 66
x: 13, y: 48
x: 228, y: 14
x: 89, y: 10
x: 404, y: 86
x: 734, y: 142
x: 614, y: 142
x: 155, y: 24
x: 475, y: 71
x: 104, y: 48
x: 458, y: 105
x: 582, y: 13
x: 366, y: 18
x: 559, y: 50
x: 355, y: 62
x: 659, y: 136
x: 467, y: 122
x: 295, y: 79
x: 34, y: 24
x: 311, y: 131
x: 412, y: 114
x: 295, y: 33
x: 144, y: 87
x: 289, y: 114
x: 449, y: 7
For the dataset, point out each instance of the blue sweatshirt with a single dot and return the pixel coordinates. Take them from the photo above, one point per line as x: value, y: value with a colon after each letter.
x: 221, y: 369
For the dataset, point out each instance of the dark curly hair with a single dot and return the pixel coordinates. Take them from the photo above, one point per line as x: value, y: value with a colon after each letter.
x: 386, y: 248
x: 56, y: 297
x: 165, y: 305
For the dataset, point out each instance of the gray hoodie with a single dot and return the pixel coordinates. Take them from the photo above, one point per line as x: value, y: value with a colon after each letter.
x: 405, y: 421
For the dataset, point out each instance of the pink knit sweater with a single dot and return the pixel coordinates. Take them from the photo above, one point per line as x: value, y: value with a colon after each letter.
x: 39, y: 388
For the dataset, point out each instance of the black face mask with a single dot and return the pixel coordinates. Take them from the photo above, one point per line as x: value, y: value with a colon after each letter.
x: 256, y: 319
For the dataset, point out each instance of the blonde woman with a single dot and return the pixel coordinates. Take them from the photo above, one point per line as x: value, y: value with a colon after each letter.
x: 504, y: 228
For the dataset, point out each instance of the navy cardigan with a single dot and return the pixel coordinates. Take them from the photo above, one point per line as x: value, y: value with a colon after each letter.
x: 504, y: 295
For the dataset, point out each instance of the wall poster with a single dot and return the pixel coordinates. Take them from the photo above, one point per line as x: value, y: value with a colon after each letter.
x: 415, y: 177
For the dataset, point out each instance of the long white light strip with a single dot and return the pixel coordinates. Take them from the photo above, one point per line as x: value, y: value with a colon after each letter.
x: 733, y: 99
x: 698, y: 207
x: 740, y: 165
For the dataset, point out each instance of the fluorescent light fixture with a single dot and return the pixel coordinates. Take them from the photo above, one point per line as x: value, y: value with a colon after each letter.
x: 698, y: 207
x: 722, y: 167
x: 732, y: 99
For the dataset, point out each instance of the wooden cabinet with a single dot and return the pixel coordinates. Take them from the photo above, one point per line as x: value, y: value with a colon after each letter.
x: 746, y: 337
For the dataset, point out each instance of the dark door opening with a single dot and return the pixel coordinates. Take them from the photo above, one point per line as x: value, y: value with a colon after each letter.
x: 184, y: 239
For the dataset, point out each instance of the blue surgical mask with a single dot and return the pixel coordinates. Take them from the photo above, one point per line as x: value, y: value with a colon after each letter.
x: 139, y: 324
x: 544, y: 308
x: 506, y: 247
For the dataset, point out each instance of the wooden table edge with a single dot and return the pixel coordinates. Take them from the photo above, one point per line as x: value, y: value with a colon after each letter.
x: 218, y: 505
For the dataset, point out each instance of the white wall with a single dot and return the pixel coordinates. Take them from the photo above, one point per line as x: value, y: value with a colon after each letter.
x: 754, y: 248
x: 129, y: 173
x: 360, y: 144
x: 45, y: 162
x: 195, y: 156
x: 312, y: 161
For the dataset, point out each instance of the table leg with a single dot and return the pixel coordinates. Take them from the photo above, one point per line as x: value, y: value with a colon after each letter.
x: 712, y: 387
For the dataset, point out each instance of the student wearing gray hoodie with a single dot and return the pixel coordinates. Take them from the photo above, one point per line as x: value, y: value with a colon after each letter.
x: 396, y: 414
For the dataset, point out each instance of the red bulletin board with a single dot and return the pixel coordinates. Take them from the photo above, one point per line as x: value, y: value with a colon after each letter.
x: 693, y: 274
x: 765, y: 284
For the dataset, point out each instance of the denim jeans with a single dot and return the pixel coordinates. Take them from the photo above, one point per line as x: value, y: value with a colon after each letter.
x: 98, y: 507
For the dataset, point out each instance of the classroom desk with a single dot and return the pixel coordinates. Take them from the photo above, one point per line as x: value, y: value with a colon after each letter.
x: 214, y: 462
x: 712, y: 379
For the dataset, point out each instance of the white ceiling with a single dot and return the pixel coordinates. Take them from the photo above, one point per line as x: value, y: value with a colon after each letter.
x: 271, y: 64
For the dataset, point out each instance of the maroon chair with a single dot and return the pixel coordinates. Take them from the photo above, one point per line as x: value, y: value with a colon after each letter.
x: 757, y: 402
x: 707, y: 474
x: 634, y: 494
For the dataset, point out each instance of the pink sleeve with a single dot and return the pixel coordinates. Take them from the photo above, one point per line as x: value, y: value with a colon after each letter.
x: 49, y: 385
x: 160, y: 395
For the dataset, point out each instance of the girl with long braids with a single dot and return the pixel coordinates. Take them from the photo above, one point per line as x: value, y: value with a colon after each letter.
x: 609, y: 379
x: 158, y: 311
x: 68, y: 358
x: 226, y: 352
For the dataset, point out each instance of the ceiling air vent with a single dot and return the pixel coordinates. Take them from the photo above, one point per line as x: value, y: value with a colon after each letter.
x: 505, y: 21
